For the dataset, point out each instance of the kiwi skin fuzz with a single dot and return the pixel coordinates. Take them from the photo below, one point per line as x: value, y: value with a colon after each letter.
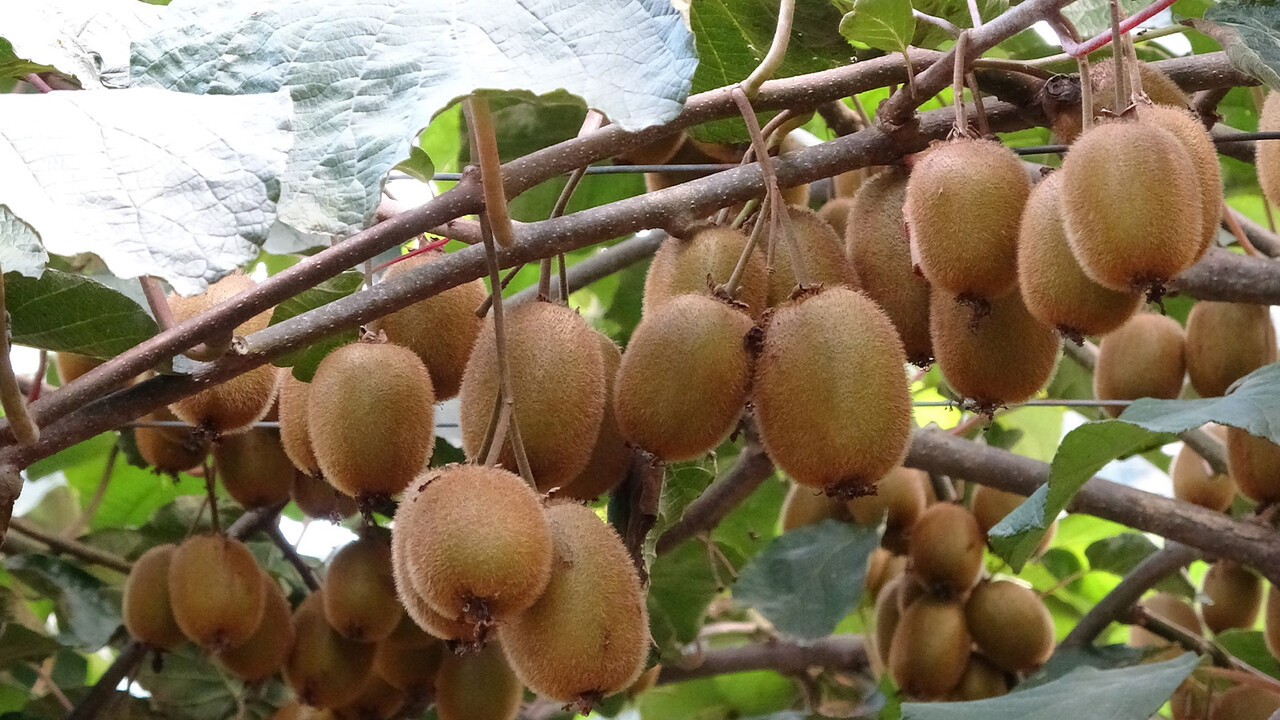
x: 1145, y: 357
x: 1225, y: 342
x: 295, y: 433
x: 266, y: 651
x: 821, y: 253
x: 325, y: 669
x: 409, y: 658
x: 215, y: 590
x: 1010, y: 624
x: 804, y: 506
x: 170, y: 450
x: 830, y: 393
x: 610, y: 457
x: 899, y: 501
x: 459, y: 635
x: 478, y: 686
x: 1254, y: 462
x: 946, y: 549
x: 147, y: 613
x: 990, y: 506
x: 1194, y: 481
x: 318, y: 499
x: 360, y: 600
x: 1203, y: 154
x: 1235, y: 595
x: 1244, y: 702
x: 71, y: 366
x: 1268, y: 153
x: 697, y: 264
x: 930, y: 648
x: 253, y: 468
x: 981, y: 680
x: 835, y: 212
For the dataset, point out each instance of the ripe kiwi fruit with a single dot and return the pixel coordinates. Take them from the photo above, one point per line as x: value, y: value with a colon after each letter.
x: 458, y: 634
x: 1195, y: 139
x: 267, y: 649
x: 360, y: 593
x: 990, y: 506
x: 610, y: 457
x: 1056, y: 291
x: 1244, y: 702
x: 877, y: 245
x: 806, y: 506
x: 1225, y: 342
x: 1171, y: 609
x: 946, y: 548
x: 847, y: 184
x: 1157, y: 86
x: 699, y: 263
x: 888, y: 615
x: 295, y: 434
x: 370, y: 417
x: 587, y: 636
x: 930, y: 648
x: 898, y: 502
x: 1145, y: 357
x: 821, y: 252
x: 1268, y: 153
x: 830, y: 392
x: 409, y: 658
x: 963, y: 206
x: 1194, y: 481
x: 1234, y: 594
x: 478, y: 686
x: 557, y: 381
x: 215, y: 590
x: 1131, y: 205
x: 170, y: 450
x: 981, y: 680
x: 1010, y: 624
x: 1254, y: 462
x: 883, y: 566
x: 253, y: 468
x: 71, y: 366
x: 317, y: 498
x: 1006, y: 359
x: 684, y: 377
x: 147, y: 614
x: 835, y: 212
x: 377, y: 700
x: 325, y: 669
x: 476, y: 543
x: 241, y: 401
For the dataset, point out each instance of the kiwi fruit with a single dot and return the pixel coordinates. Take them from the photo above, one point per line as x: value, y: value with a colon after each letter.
x: 990, y: 506
x: 684, y: 377
x: 370, y: 416
x: 325, y: 669
x: 930, y: 648
x: 898, y: 502
x: 459, y: 635
x: 170, y: 450
x: 946, y: 548
x: 1145, y: 357
x: 267, y: 649
x: 847, y: 184
x: 555, y: 364
x: 1271, y: 622
x: 1267, y: 156
x: 360, y: 593
x: 1155, y: 84
x: 1010, y: 624
x: 476, y: 543
x: 1234, y: 596
x: 981, y: 680
x: 1169, y: 608
x: 441, y: 329
x: 295, y: 435
x: 883, y: 566
x: 1198, y: 144
x: 830, y: 392
x: 587, y: 636
x: 876, y: 242
x: 1131, y: 205
x: 253, y: 468
x: 835, y: 212
x: 699, y: 263
x: 234, y: 405
x: 647, y: 680
x: 1244, y: 702
x: 409, y: 658
x: 888, y: 615
x: 317, y: 498
x: 655, y: 153
x: 147, y: 613
x: 821, y: 252
x: 1254, y: 462
x: 805, y: 506
x: 1054, y: 288
x: 71, y: 366
x: 1225, y: 342
x: 1006, y: 359
x: 610, y: 458
x: 377, y: 700
x: 216, y: 591
x: 478, y: 686
x: 691, y: 152
x: 1194, y: 481
x: 963, y: 205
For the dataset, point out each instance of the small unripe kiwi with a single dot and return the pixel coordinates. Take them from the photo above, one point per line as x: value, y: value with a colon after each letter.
x: 170, y: 450
x: 1268, y: 153
x: 877, y: 244
x: 1254, y: 462
x: 1195, y: 482
x: 1195, y: 139
x: 699, y: 263
x: 459, y: 634
x: 1054, y: 287
x: 477, y: 686
x: 990, y: 506
x: 1234, y: 594
x: 830, y: 392
x: 946, y: 548
x: 898, y: 502
x: 295, y: 434
x: 611, y: 457
x: 1171, y: 609
x: 883, y: 566
x: 806, y: 506
x: 587, y: 636
x: 71, y: 366
x: 216, y: 591
x: 147, y: 614
x: 317, y: 498
x: 1157, y: 86
x: 377, y: 700
x: 1225, y: 342
x: 1132, y: 205
x: 370, y: 415
x: 835, y: 212
x: 1006, y: 359
x: 557, y: 382
x: 253, y: 468
x: 821, y: 251
x: 981, y: 680
x: 1010, y: 624
x: 241, y: 401
x: 1145, y: 357
x: 360, y: 593
x: 964, y: 203
x: 1271, y: 621
x: 684, y: 377
x: 325, y: 669
x: 1244, y: 702
x: 409, y: 659
x: 930, y: 648
x: 441, y: 329
x: 267, y: 649
x: 476, y: 543
x: 888, y: 614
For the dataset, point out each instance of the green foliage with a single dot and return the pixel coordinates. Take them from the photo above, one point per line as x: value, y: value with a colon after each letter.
x: 1251, y: 38
x: 72, y: 313
x: 305, y: 362
x: 882, y: 24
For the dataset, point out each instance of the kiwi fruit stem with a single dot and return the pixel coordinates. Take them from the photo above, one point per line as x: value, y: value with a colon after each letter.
x: 734, y: 283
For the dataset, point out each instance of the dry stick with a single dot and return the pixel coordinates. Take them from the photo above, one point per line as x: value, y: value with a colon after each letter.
x: 1099, y: 41
x: 210, y: 483
x: 752, y: 468
x: 843, y: 653
x: 204, y: 352
x: 979, y: 110
x: 483, y: 309
x: 842, y: 119
x: 24, y: 429
x: 1266, y: 241
x: 484, y: 146
x: 974, y: 16
x: 291, y: 554
x: 1196, y: 643
x: 37, y: 383
x: 592, y: 123
x: 601, y: 265
x: 945, y: 25
x: 1115, y: 604
x: 70, y: 547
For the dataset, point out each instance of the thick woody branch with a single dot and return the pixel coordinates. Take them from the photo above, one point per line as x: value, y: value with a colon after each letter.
x: 752, y: 468
x: 601, y: 265
x: 1227, y: 277
x: 838, y: 652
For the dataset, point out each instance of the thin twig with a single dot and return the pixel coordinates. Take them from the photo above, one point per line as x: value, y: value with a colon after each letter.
x: 73, y: 548
x: 1100, y: 40
x: 1118, y: 58
x: 483, y: 309
x: 37, y: 82
x: 752, y: 468
x: 945, y: 25
x: 1115, y: 604
x: 841, y: 653
x: 777, y: 50
x: 1230, y: 219
x: 104, y: 690
x: 734, y: 283
x: 485, y: 152
x: 91, y: 510
x: 37, y: 383
x: 961, y: 128
x: 291, y: 554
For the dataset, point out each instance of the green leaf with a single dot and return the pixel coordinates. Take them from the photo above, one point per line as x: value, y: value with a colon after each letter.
x: 1252, y: 37
x: 1247, y: 645
x: 1253, y: 406
x: 808, y: 579
x: 190, y: 686
x: 88, y: 611
x: 753, y: 523
x: 72, y: 313
x: 20, y: 248
x: 305, y: 361
x: 883, y: 24
x: 683, y: 582
x: 1119, y: 554
x: 1098, y: 657
x: 18, y: 643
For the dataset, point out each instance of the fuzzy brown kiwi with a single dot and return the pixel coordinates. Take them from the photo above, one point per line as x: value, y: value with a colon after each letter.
x: 946, y: 548
x: 981, y: 680
x: 267, y: 649
x: 611, y: 457
x: 1145, y: 357
x: 360, y: 593
x: 1268, y: 153
x: 1054, y: 287
x: 555, y: 363
x: 71, y: 366
x: 1234, y: 594
x: 1194, y: 481
x: 460, y: 635
x: 805, y: 506
x: 1254, y: 463
x: 888, y: 614
x: 370, y: 414
x: 877, y: 245
x: 1244, y: 702
x: 325, y: 669
x: 846, y: 184
x: 930, y: 648
x: 377, y: 700
x: 409, y: 658
x: 684, y: 378
x: 1171, y: 609
x: 476, y: 543
x: 587, y: 636
x: 1225, y: 342
x: 478, y: 686
x: 253, y: 468
x: 1010, y: 624
x: 147, y: 613
x: 317, y: 498
x: 963, y: 205
x: 835, y: 212
x: 216, y: 591
x: 1131, y: 205
x: 655, y: 153
x: 830, y: 392
x: 170, y: 450
x: 1157, y: 86
x: 898, y: 502
x: 699, y: 263
x: 295, y: 434
x: 883, y: 566
x: 241, y: 401
x: 1007, y: 359
x: 821, y: 252
x: 990, y: 506
x: 1195, y: 139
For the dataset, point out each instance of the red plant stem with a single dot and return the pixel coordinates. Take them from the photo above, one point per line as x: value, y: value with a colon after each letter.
x: 37, y: 381
x: 428, y: 247
x: 38, y: 83
x: 1100, y: 40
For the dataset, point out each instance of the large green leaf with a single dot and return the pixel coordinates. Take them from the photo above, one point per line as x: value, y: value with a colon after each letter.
x: 883, y: 24
x: 72, y: 313
x: 190, y: 686
x: 1253, y: 406
x: 682, y: 582
x: 88, y: 610
x: 305, y: 361
x: 1252, y: 37
x: 1121, y: 553
x: 1250, y: 647
x: 20, y: 248
x: 18, y: 643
